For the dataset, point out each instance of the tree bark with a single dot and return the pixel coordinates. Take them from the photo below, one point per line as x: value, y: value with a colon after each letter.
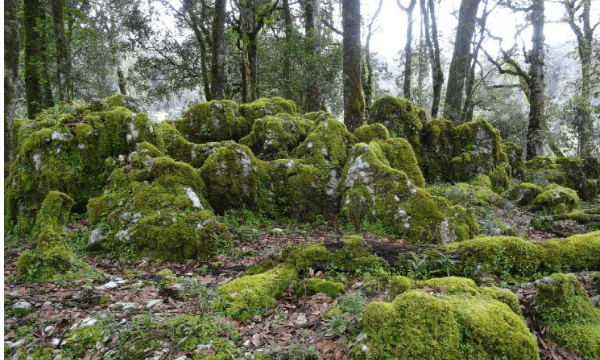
x: 11, y: 76
x: 368, y: 73
x: 535, y: 128
x: 63, y: 58
x: 287, y: 65
x: 467, y: 17
x: 122, y: 82
x: 354, y: 104
x: 408, y: 47
x: 218, y: 51
x: 34, y: 96
x: 437, y: 73
x: 311, y: 32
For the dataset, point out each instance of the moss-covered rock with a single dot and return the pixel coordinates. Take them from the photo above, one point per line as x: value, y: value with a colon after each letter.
x: 515, y: 158
x: 157, y: 211
x: 465, y: 194
x: 119, y: 100
x: 249, y: 295
x: 296, y: 190
x: 401, y: 157
x: 524, y: 193
x: 368, y: 133
x: 213, y: 121
x: 440, y: 144
x: 70, y: 156
x: 444, y: 326
x: 266, y: 107
x: 399, y: 116
x: 329, y: 287
x: 566, y: 309
x: 575, y: 178
x: 556, y: 199
x: 232, y: 176
x: 483, y: 180
x: 274, y: 137
x: 374, y: 191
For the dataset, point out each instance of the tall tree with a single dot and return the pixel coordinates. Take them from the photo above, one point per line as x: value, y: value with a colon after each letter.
x: 218, y: 50
x: 534, y: 78
x: 408, y: 47
x: 12, y: 46
x: 311, y: 11
x: 63, y: 58
x: 578, y: 18
x: 34, y: 96
x: 354, y: 104
x: 287, y: 63
x: 368, y: 76
x: 437, y: 74
x: 467, y: 16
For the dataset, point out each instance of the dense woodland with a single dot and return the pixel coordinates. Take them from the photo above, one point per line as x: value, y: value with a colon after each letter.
x: 248, y: 179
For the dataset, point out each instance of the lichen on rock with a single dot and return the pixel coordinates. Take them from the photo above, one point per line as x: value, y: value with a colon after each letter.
x: 368, y: 133
x: 556, y: 199
x: 399, y: 116
x: 213, y: 121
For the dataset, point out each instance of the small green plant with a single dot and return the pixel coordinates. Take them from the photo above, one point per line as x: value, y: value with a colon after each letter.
x: 418, y: 266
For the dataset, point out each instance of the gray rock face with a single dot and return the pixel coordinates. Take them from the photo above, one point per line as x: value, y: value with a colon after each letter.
x: 22, y: 305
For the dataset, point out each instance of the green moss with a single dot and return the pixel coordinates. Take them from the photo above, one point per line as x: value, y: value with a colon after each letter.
x: 483, y: 180
x: 524, y: 193
x: 81, y: 339
x: 302, y: 257
x: 465, y: 194
x: 576, y: 179
x: 556, y: 199
x: 248, y: 295
x: 573, y: 320
x: 440, y: 143
x: 401, y: 157
x: 503, y: 295
x: 499, y: 178
x: 212, y: 121
x: 399, y: 285
x: 453, y: 285
x: 515, y: 158
x: 232, y: 175
x: 418, y: 325
x: 329, y: 287
x: 368, y: 133
x: 274, y: 137
x: 539, y: 163
x: 399, y: 116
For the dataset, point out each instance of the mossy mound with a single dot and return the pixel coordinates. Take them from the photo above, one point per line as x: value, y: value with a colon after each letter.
x: 329, y: 287
x: 354, y: 255
x: 296, y: 190
x: 213, y: 121
x: 515, y: 158
x: 465, y: 326
x: 52, y: 256
x: 399, y: 116
x: 274, y: 137
x: 465, y: 194
x: 566, y: 309
x: 556, y: 199
x: 440, y: 143
x: 374, y: 191
x: 69, y: 153
x: 249, y: 295
x: 120, y: 100
x: 157, y: 211
x: 524, y: 193
x: 232, y: 175
x: 368, y: 133
x: 266, y: 107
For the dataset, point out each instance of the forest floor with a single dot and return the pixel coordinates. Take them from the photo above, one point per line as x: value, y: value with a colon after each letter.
x: 133, y: 294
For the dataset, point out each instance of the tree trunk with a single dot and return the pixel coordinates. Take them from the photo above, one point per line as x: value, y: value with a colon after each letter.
x: 253, y: 61
x: 287, y: 65
x: 11, y: 76
x: 408, y: 47
x: 310, y: 28
x: 353, y: 97
x: 63, y: 59
x: 368, y: 66
x: 535, y: 133
x: 218, y: 51
x: 467, y: 17
x: 33, y: 12
x: 122, y: 82
x: 436, y: 65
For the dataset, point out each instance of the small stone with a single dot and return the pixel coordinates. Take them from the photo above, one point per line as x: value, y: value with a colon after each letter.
x: 596, y: 301
x: 122, y: 322
x: 48, y: 328
x: 22, y: 304
x: 153, y: 303
x: 56, y: 342
x: 108, y: 285
x: 247, y: 343
x: 277, y: 230
x: 183, y: 357
x: 15, y: 344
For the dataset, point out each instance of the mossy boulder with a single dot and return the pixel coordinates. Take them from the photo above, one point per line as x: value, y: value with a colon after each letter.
x: 466, y: 195
x: 232, y: 175
x: 120, y: 100
x: 566, y: 309
x: 444, y: 327
x: 399, y: 116
x: 274, y: 137
x: 374, y: 191
x: 329, y: 287
x: 368, y: 133
x: 158, y: 211
x: 71, y: 156
x: 515, y: 158
x: 556, y: 199
x: 575, y: 178
x: 296, y: 190
x: 213, y: 121
x: 524, y: 193
x: 249, y: 295
x: 439, y: 144
x: 266, y: 107
x: 52, y: 255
